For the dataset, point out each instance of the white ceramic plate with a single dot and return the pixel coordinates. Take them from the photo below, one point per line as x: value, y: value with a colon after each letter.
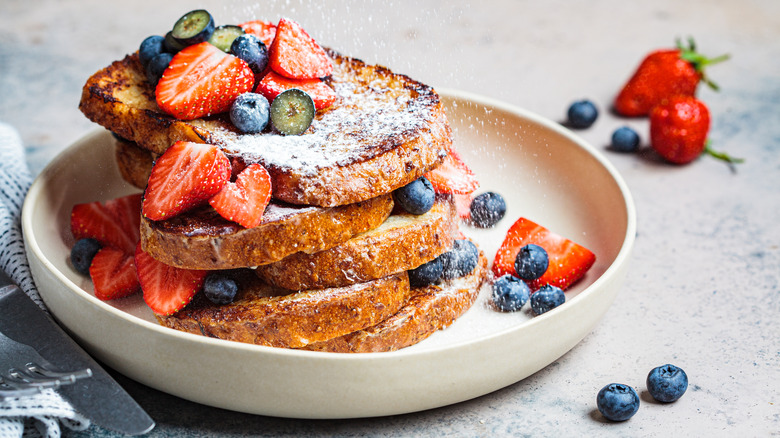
x: 545, y: 173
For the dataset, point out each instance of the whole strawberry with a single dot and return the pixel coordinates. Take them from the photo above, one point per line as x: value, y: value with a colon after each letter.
x: 678, y: 129
x: 662, y: 74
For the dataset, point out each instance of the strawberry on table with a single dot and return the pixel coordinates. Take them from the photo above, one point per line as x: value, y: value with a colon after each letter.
x: 274, y: 84
x: 186, y: 175
x: 295, y: 54
x: 202, y: 80
x: 265, y: 30
x: 568, y: 261
x: 662, y: 74
x: 244, y: 201
x: 166, y: 289
x: 114, y: 223
x: 453, y: 176
x: 678, y: 129
x: 113, y: 274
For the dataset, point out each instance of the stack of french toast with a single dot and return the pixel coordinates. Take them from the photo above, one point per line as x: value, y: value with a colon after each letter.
x: 327, y: 267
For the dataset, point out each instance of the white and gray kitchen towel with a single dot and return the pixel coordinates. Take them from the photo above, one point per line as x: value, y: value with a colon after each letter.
x: 43, y: 414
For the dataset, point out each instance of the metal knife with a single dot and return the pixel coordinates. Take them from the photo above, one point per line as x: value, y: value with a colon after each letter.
x: 99, y: 398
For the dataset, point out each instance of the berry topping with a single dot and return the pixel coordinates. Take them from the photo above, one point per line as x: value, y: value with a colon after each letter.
x: 625, y: 139
x: 202, y: 80
x: 82, y: 253
x: 510, y: 293
x: 244, y: 201
x: 617, y: 402
x: 250, y: 113
x: 113, y: 274
x: 547, y: 298
x: 171, y: 45
x: 224, y: 36
x: 115, y: 223
x: 156, y: 67
x: 568, y: 261
x: 296, y: 55
x: 453, y: 176
x: 253, y: 51
x: 463, y: 205
x: 667, y: 383
x: 427, y: 273
x: 150, y: 47
x: 417, y: 197
x: 531, y: 262
x: 292, y: 112
x: 273, y: 84
x: 582, y: 114
x: 264, y: 30
x: 460, y: 260
x: 219, y: 288
x: 193, y: 27
x: 166, y: 289
x: 487, y: 209
x: 185, y: 176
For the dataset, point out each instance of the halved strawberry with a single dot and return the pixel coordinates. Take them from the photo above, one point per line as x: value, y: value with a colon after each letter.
x: 265, y: 30
x: 568, y: 260
x: 113, y: 274
x: 453, y: 176
x: 463, y: 205
x: 273, y: 84
x: 296, y: 55
x: 114, y: 223
x: 202, y: 80
x: 185, y: 176
x: 166, y: 289
x: 245, y: 200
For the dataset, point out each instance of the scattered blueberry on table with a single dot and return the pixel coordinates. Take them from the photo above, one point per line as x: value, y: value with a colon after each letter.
x: 624, y: 139
x: 617, y: 402
x: 667, y: 383
x: 582, y: 114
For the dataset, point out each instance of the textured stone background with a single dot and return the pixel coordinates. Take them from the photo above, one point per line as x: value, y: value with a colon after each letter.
x: 702, y: 290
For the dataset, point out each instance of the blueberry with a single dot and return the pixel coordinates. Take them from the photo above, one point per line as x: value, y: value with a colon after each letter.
x: 547, y: 298
x: 82, y: 253
x: 667, y: 383
x: 487, y: 209
x: 582, y: 114
x: 292, y: 112
x: 252, y: 50
x: 427, y: 273
x: 460, y: 260
x: 171, y: 45
x: 625, y: 139
x: 150, y: 47
x: 617, y: 402
x: 417, y: 197
x: 156, y: 67
x: 250, y: 113
x: 193, y: 27
x: 510, y: 293
x: 220, y: 289
x: 531, y: 262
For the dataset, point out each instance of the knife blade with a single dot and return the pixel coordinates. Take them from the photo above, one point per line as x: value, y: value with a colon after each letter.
x: 99, y: 398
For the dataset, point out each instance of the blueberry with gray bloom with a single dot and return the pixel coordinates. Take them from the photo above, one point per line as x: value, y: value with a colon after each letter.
x: 625, y: 139
x: 487, y: 209
x: 250, y: 113
x: 82, y: 253
x: 252, y: 50
x: 460, y: 260
x: 220, y: 289
x: 510, y: 293
x: 617, y: 402
x: 667, y: 383
x: 547, y: 298
x: 417, y: 197
x: 531, y: 262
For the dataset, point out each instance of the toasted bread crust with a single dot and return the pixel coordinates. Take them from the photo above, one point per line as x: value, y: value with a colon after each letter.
x: 383, y: 131
x: 404, y: 241
x: 135, y: 164
x: 262, y: 315
x: 202, y: 239
x: 428, y: 310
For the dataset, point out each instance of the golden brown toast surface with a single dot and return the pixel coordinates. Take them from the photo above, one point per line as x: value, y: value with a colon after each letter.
x: 383, y: 131
x: 403, y: 241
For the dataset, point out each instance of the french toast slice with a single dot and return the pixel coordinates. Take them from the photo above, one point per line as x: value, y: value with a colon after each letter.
x: 202, y: 239
x: 402, y: 242
x: 429, y: 309
x: 265, y: 315
x: 383, y: 131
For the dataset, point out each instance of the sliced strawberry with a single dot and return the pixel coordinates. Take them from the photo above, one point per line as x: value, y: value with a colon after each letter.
x: 273, y: 84
x: 202, y: 80
x: 185, y: 176
x: 114, y: 223
x: 463, y: 205
x: 453, y: 176
x: 245, y: 200
x: 296, y: 55
x: 568, y: 260
x: 166, y: 289
x: 113, y: 274
x: 265, y: 30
